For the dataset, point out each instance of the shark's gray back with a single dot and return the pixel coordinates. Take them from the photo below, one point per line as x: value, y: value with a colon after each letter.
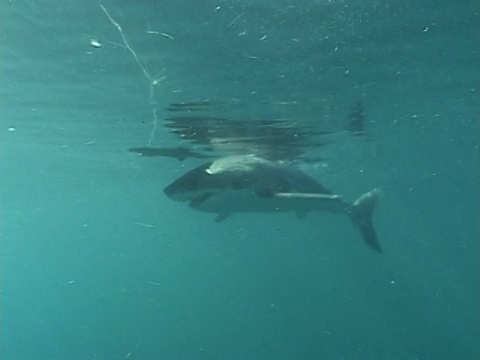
x: 265, y: 175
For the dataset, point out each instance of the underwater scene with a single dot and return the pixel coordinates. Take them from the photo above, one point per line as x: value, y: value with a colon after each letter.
x: 239, y: 180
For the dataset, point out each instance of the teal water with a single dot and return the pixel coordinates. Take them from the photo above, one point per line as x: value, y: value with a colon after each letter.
x: 96, y: 263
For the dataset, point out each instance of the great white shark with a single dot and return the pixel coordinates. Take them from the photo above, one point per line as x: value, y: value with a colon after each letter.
x: 250, y: 184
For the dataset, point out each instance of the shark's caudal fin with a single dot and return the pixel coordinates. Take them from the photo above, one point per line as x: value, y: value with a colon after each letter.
x: 362, y: 217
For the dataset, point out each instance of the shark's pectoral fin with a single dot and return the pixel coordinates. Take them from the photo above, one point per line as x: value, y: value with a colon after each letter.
x: 222, y: 216
x: 306, y: 196
x: 196, y: 202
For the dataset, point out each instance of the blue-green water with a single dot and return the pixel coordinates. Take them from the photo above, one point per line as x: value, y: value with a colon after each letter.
x: 96, y: 263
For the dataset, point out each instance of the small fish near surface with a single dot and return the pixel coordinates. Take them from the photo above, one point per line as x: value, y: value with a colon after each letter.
x: 248, y: 183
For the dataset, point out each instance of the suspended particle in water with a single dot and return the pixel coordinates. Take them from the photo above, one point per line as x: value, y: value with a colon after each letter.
x: 95, y: 43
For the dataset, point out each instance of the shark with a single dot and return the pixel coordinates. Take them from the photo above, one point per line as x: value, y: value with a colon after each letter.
x: 251, y: 184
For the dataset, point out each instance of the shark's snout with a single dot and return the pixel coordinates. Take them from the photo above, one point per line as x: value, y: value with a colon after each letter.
x: 176, y: 193
x: 188, y: 187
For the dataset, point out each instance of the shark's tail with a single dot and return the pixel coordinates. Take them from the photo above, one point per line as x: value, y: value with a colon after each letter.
x: 362, y: 217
